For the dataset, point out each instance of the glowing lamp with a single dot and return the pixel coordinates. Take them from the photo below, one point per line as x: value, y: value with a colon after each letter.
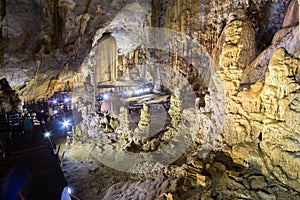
x: 66, y: 100
x: 105, y: 96
x: 47, y: 134
x: 66, y: 123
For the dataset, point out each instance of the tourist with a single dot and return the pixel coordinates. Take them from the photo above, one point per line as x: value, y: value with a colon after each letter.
x: 28, y: 126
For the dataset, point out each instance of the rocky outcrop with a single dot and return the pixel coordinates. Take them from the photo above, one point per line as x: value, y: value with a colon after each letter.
x: 292, y: 15
x: 286, y: 37
x: 241, y: 44
x: 258, y: 125
x: 10, y: 101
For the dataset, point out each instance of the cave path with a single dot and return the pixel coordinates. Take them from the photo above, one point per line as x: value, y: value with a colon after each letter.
x: 45, y: 179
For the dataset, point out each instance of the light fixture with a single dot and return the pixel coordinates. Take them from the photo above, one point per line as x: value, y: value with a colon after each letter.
x: 47, y: 134
x: 139, y: 91
x: 66, y: 100
x: 66, y: 123
x: 105, y: 96
x: 54, y: 101
x: 69, y: 190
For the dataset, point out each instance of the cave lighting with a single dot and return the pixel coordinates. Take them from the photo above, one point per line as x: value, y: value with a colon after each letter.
x: 47, y: 134
x: 128, y: 93
x: 105, y: 96
x: 55, y: 112
x: 140, y: 91
x: 66, y: 123
x: 148, y: 90
x: 54, y: 101
x: 69, y: 190
x: 66, y: 100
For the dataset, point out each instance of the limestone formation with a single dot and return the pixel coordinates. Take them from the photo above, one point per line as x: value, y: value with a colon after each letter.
x: 259, y: 118
x: 80, y: 132
x: 247, y: 144
x: 175, y: 110
x: 123, y: 130
x: 9, y: 99
x: 286, y: 37
x: 142, y: 130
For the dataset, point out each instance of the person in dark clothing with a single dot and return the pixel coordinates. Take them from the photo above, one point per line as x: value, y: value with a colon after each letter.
x: 28, y: 127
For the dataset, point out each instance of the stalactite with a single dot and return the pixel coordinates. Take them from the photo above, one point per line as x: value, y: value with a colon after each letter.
x: 57, y: 25
x: 81, y: 26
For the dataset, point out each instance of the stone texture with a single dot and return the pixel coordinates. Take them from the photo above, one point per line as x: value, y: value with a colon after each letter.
x: 286, y: 37
x: 258, y: 119
x: 10, y: 101
x: 43, y: 41
x: 64, y: 32
x: 251, y: 107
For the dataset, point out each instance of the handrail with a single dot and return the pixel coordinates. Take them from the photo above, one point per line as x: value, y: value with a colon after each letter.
x: 73, y: 197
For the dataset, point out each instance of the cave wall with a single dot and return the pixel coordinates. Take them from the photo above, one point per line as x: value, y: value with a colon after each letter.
x: 41, y: 37
x: 257, y: 126
x: 48, y: 46
x: 205, y: 20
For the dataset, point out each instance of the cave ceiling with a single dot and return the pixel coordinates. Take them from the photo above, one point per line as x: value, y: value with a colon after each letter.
x: 44, y: 40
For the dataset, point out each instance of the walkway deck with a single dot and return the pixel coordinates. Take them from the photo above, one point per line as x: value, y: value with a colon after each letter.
x: 45, y: 180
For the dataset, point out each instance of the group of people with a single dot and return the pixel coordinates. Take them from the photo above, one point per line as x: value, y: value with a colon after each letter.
x: 19, y: 123
x: 14, y: 125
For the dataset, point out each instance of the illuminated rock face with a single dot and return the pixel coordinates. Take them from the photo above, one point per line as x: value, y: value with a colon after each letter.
x: 43, y: 37
x: 258, y: 125
x: 56, y: 49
